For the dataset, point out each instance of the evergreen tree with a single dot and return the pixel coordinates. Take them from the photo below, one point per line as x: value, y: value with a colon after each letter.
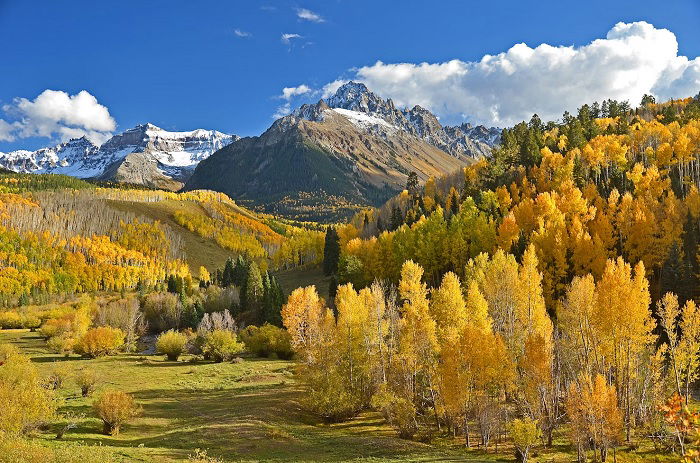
x: 227, y: 276
x: 272, y: 301
x: 396, y: 218
x: 254, y: 291
x: 331, y: 251
x: 380, y: 224
x: 412, y: 184
x: 332, y: 291
x: 240, y: 271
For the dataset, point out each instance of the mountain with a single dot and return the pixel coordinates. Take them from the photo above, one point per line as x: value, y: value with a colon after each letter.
x: 465, y: 140
x: 145, y: 155
x: 326, y: 160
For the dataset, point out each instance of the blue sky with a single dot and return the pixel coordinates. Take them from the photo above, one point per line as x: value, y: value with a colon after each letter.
x: 181, y: 65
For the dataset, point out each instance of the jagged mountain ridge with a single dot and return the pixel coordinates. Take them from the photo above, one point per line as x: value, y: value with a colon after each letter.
x: 145, y: 154
x: 351, y: 150
x: 462, y: 140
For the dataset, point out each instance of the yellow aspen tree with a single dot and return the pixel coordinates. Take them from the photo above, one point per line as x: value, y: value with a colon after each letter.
x: 447, y: 308
x: 575, y: 320
x: 688, y: 352
x: 669, y: 312
x: 624, y: 320
x: 418, y: 343
x: 477, y: 309
x: 532, y: 313
x: 308, y: 321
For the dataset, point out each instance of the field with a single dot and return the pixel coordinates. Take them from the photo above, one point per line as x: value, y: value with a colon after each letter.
x: 246, y: 411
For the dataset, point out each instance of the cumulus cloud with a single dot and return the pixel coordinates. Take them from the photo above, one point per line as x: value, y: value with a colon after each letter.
x: 56, y: 114
x: 633, y: 59
x: 287, y: 38
x: 289, y: 92
x: 242, y: 34
x: 308, y: 15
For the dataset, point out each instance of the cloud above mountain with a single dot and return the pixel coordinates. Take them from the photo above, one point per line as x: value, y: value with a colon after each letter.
x: 56, y: 114
x: 308, y: 15
x: 632, y: 59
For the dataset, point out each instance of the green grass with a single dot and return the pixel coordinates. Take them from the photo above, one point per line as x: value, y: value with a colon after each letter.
x: 247, y: 411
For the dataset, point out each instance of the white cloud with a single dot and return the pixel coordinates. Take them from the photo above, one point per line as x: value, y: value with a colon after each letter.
x: 633, y: 59
x: 282, y: 111
x: 6, y: 130
x: 330, y: 88
x: 242, y: 34
x: 287, y: 38
x: 289, y: 92
x: 57, y: 114
x: 308, y: 15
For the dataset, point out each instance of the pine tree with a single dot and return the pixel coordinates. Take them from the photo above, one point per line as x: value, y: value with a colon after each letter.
x: 331, y: 251
x: 239, y: 271
x: 254, y: 291
x: 227, y: 275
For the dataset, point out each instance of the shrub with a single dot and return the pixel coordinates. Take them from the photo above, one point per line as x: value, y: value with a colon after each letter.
x: 200, y: 456
x: 124, y: 314
x: 216, y: 321
x: 100, y: 341
x: 115, y: 408
x: 10, y: 320
x: 87, y: 380
x: 25, y: 404
x: 57, y: 376
x: 525, y: 434
x: 221, y: 345
x: 172, y: 344
x: 399, y: 412
x: 266, y: 340
x: 61, y: 345
x: 163, y: 311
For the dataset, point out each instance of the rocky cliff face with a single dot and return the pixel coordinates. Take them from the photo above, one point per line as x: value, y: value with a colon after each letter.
x: 463, y: 140
x: 165, y: 159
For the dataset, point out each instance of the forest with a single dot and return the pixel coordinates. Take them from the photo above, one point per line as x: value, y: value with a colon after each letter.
x: 537, y: 305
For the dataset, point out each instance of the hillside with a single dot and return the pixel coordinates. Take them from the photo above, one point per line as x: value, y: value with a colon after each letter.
x: 136, y: 233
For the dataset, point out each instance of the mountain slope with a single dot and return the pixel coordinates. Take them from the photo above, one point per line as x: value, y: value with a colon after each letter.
x: 145, y: 155
x: 325, y: 162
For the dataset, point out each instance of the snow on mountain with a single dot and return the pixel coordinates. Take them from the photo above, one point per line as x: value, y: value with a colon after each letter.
x: 172, y: 151
x: 366, y: 110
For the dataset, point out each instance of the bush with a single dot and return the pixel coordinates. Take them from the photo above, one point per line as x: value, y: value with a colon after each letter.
x: 163, y: 311
x: 100, y: 341
x: 115, y: 408
x: 267, y: 340
x: 399, y: 412
x: 25, y: 404
x: 61, y: 345
x: 525, y: 434
x: 200, y: 456
x: 58, y: 374
x: 221, y: 345
x: 10, y: 320
x: 87, y: 380
x: 172, y: 344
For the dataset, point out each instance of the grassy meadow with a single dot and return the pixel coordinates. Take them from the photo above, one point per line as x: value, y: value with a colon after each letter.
x: 243, y: 411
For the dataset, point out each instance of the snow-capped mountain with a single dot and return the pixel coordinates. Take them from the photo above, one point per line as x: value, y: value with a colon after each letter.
x: 364, y: 108
x: 161, y: 153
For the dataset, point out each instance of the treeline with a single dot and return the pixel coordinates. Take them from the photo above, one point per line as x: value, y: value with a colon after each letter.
x: 581, y: 202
